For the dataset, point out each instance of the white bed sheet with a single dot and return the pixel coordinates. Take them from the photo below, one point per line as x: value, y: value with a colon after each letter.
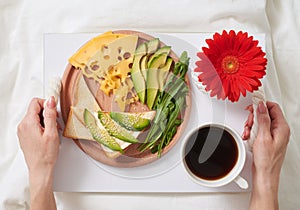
x: 23, y: 24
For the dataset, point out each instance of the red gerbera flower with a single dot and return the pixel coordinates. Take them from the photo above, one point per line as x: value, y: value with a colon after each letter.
x: 231, y: 64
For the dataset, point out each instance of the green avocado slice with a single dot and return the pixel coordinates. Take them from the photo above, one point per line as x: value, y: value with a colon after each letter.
x: 152, y: 45
x: 100, y: 135
x: 133, y: 121
x: 115, y: 129
x: 164, y: 50
x: 163, y: 73
x: 136, y: 74
x: 153, y: 80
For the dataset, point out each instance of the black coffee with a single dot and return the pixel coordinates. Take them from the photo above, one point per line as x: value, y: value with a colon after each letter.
x: 218, y: 157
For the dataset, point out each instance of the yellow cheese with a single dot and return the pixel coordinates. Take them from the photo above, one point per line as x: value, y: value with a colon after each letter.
x: 116, y: 76
x: 84, y: 54
x: 124, y: 95
x: 107, y: 59
x: 120, y: 97
x: 107, y: 85
x: 109, y: 55
x: 123, y: 68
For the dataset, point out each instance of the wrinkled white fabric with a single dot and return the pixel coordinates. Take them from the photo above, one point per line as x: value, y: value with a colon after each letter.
x: 23, y: 24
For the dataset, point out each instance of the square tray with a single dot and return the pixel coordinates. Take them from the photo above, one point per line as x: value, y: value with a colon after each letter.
x: 77, y: 172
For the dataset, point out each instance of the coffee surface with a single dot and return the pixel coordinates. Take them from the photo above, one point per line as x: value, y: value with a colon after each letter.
x: 214, y: 159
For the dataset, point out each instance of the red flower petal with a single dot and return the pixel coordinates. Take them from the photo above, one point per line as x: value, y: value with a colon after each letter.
x: 229, y: 81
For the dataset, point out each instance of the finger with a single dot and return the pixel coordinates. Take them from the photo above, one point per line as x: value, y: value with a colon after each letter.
x: 35, y: 106
x: 279, y: 126
x: 50, y: 116
x: 248, y: 126
x: 264, y: 121
x: 249, y: 108
x: 250, y: 120
x: 246, y: 133
x: 275, y: 112
x: 29, y: 122
x: 34, y: 111
x: 35, y: 120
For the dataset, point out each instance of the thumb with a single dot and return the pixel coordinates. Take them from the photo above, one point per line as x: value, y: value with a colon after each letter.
x: 50, y: 115
x: 264, y: 121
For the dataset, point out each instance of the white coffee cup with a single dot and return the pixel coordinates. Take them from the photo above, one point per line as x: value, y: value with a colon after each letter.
x: 233, y: 174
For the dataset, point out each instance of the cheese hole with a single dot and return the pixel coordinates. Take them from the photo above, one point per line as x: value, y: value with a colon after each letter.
x: 87, y: 71
x: 110, y: 68
x: 119, y: 50
x: 119, y: 58
x: 95, y: 67
x: 106, y: 57
x: 104, y: 48
x: 126, y: 55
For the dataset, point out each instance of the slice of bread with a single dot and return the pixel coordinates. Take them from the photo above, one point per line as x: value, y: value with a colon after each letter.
x: 83, y: 98
x: 75, y: 126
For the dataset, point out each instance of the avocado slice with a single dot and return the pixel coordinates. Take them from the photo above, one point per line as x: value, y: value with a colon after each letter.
x: 115, y: 129
x: 152, y: 46
x: 100, y: 134
x: 136, y: 74
x: 133, y: 121
x: 163, y: 73
x: 144, y: 66
x: 164, y: 50
x: 156, y: 61
x: 153, y: 82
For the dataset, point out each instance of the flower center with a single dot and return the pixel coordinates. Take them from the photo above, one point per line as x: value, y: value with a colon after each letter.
x: 230, y: 64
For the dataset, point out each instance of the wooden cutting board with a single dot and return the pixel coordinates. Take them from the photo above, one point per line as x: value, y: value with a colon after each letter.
x: 131, y: 157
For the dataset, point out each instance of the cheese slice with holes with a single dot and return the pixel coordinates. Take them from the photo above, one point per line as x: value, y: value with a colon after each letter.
x: 116, y: 76
x: 84, y: 54
x: 110, y: 55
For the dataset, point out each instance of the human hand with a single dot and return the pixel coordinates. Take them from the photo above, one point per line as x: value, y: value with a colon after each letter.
x: 269, y: 150
x: 273, y: 135
x: 40, y: 144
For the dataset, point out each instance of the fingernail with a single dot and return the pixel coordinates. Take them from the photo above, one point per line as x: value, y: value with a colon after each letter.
x: 51, y: 102
x: 247, y: 107
x: 243, y: 135
x: 261, y: 107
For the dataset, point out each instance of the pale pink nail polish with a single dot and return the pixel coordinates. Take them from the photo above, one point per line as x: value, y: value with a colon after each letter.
x: 261, y: 107
x: 51, y: 102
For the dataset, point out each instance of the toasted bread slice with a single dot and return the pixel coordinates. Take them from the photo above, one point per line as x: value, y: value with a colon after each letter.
x: 75, y: 126
x: 76, y: 129
x: 83, y: 98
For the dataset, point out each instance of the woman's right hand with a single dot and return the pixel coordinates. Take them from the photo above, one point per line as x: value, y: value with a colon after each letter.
x: 269, y: 150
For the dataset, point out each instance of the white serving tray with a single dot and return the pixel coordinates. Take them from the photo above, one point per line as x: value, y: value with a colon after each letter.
x: 77, y: 172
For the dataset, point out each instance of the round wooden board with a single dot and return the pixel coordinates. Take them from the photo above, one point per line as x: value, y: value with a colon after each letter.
x: 131, y: 157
